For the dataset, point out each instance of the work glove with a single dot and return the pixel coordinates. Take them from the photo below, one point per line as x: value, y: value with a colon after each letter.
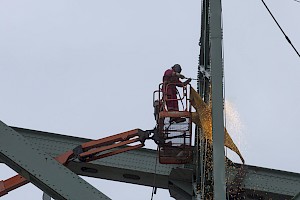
x: 187, y: 81
x: 179, y: 75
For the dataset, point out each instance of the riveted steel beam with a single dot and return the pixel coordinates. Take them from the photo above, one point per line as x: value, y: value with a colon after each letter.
x: 217, y: 99
x: 41, y: 169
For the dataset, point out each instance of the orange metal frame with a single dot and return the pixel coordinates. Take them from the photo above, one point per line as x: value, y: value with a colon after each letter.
x: 161, y: 112
x: 92, y: 150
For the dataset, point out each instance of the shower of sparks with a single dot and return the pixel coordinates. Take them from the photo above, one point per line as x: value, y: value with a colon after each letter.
x: 235, y: 128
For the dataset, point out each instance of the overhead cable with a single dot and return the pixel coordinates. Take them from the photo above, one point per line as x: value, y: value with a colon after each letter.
x: 286, y: 37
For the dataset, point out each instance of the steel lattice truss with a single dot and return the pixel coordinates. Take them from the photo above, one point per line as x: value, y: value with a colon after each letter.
x: 137, y: 167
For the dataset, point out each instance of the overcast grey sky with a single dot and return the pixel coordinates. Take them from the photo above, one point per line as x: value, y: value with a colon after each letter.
x: 88, y: 69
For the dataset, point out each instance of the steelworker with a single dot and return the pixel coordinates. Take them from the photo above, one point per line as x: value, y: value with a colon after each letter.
x: 170, y: 81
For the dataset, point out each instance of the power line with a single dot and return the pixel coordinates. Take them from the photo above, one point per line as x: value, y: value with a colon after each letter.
x: 286, y: 37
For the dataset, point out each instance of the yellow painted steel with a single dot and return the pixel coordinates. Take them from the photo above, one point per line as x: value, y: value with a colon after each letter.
x: 203, y: 118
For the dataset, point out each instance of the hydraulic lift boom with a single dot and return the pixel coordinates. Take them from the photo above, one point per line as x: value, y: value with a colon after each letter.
x: 90, y: 151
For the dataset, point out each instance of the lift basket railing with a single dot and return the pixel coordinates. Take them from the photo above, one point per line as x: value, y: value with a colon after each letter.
x: 174, y: 126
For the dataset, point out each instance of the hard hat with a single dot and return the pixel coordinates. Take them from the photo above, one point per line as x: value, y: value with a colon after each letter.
x: 177, y: 68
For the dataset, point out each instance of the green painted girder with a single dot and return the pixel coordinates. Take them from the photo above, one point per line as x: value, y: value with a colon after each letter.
x: 215, y: 40
x: 41, y: 169
x: 263, y: 183
x: 138, y: 167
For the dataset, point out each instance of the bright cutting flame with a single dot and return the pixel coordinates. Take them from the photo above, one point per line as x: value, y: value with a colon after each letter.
x: 235, y: 127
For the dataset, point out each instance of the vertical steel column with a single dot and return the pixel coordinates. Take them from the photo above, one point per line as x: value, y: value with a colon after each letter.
x: 217, y: 99
x: 203, y: 160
